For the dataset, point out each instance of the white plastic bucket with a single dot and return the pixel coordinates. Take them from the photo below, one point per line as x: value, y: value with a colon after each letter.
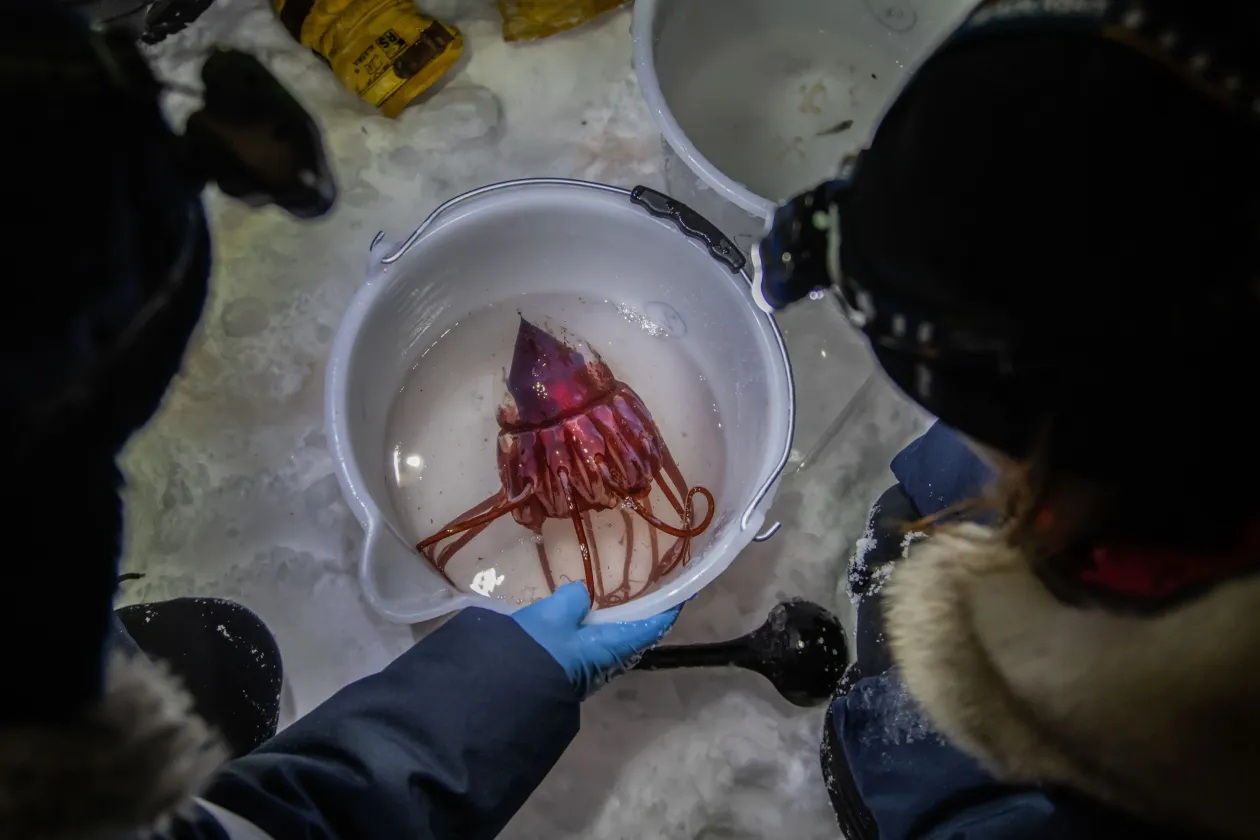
x: 762, y: 99
x: 552, y: 237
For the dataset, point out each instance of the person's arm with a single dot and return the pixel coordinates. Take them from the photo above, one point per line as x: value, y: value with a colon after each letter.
x: 447, y: 742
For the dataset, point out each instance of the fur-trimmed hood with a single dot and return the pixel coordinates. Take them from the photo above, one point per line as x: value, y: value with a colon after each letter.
x: 1155, y: 714
x: 128, y: 765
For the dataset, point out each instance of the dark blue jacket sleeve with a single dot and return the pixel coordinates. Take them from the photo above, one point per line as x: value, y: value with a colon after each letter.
x: 447, y: 742
x: 918, y: 787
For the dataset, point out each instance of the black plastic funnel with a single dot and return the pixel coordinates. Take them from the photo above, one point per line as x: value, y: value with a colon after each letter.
x: 800, y: 649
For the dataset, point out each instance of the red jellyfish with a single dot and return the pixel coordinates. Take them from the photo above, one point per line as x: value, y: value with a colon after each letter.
x: 573, y: 439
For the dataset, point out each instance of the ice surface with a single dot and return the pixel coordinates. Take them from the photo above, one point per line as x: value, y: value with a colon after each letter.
x: 231, y: 490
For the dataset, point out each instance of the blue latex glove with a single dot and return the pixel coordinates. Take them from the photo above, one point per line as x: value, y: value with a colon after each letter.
x: 590, y: 654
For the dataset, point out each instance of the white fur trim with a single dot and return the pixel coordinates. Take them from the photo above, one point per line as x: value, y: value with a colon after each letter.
x: 132, y: 762
x: 1156, y: 714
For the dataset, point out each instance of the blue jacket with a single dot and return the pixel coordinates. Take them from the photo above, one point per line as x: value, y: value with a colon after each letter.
x: 897, y: 779
x: 428, y: 748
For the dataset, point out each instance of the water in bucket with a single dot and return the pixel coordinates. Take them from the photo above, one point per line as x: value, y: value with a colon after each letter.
x: 443, y: 441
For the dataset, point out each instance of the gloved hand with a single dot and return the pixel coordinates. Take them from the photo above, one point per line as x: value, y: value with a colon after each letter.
x: 590, y: 654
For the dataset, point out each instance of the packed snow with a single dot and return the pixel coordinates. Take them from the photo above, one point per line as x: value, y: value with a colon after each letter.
x: 231, y: 489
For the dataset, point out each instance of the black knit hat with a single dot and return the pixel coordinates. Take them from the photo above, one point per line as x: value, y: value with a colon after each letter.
x: 1086, y: 211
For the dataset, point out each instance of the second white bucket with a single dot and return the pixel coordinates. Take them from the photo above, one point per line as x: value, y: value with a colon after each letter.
x: 762, y: 99
x: 661, y: 305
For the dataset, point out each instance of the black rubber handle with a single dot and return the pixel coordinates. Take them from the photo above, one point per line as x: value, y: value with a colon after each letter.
x: 692, y: 224
x: 736, y: 654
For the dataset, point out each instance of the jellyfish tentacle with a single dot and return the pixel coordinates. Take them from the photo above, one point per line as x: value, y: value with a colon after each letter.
x: 583, y: 546
x: 445, y: 555
x: 471, y: 523
x: 687, y: 532
x: 544, y: 562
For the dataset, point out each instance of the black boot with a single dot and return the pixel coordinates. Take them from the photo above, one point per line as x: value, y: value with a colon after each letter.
x: 224, y: 655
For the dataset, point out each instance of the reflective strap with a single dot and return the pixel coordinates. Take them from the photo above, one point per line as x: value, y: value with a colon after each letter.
x: 236, y: 826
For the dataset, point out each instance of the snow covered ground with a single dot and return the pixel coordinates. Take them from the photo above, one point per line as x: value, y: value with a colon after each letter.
x: 232, y: 492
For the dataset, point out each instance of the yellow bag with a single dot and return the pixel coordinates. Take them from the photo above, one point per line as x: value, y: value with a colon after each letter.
x: 383, y: 50
x: 525, y: 20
